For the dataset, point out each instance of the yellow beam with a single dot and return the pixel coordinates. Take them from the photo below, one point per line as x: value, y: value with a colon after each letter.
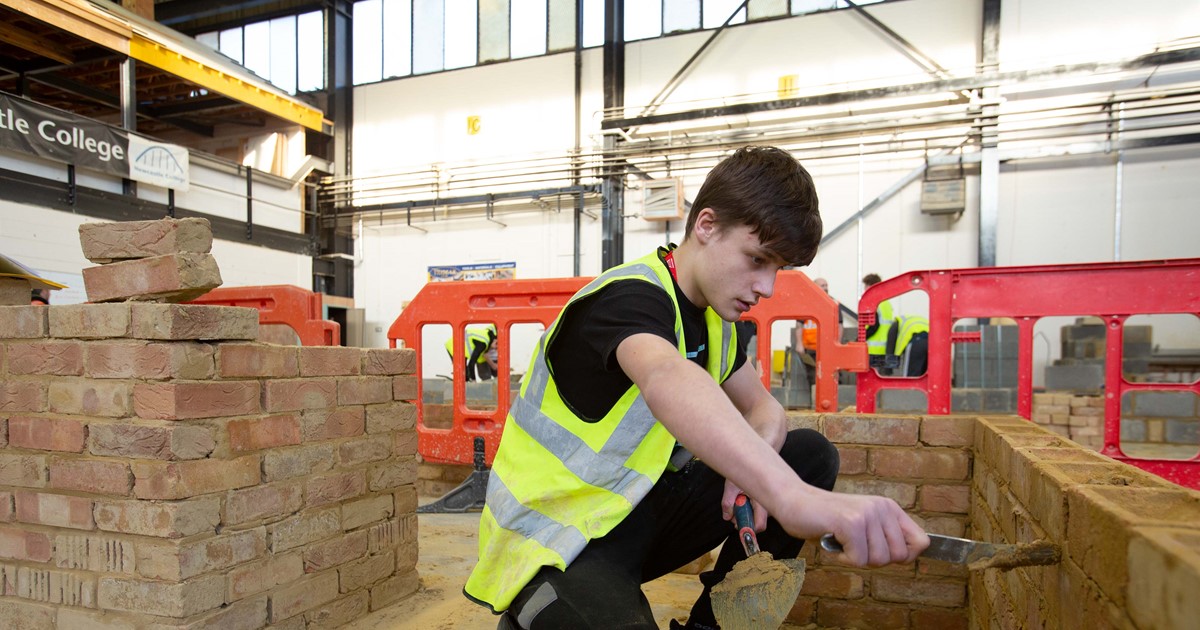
x: 216, y: 80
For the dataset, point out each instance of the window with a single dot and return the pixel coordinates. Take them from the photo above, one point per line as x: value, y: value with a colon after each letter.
x: 271, y: 50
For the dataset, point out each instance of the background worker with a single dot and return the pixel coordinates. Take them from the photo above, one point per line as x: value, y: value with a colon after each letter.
x: 594, y: 489
x: 809, y: 334
x: 877, y: 333
x: 909, y: 343
x: 479, y: 341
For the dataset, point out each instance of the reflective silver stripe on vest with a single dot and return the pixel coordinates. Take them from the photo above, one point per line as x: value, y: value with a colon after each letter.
x: 564, y: 540
x: 602, y: 469
x: 726, y: 340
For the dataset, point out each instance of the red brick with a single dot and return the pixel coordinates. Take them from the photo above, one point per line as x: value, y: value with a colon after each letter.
x: 174, y: 441
x: 872, y: 430
x: 251, y: 434
x: 86, y: 397
x: 926, y: 463
x: 262, y: 502
x: 177, y: 560
x: 862, y: 614
x: 330, y: 553
x: 148, y: 360
x: 330, y: 361
x: 105, y: 242
x: 920, y: 591
x: 89, y: 321
x: 389, y: 362
x: 6, y: 507
x: 165, y: 599
x: 305, y: 527
x: 297, y: 461
x: 802, y: 611
x: 57, y: 510
x: 364, y: 390
x: 300, y: 393
x: 47, y: 434
x: 939, y: 498
x: 170, y: 278
x: 903, y: 493
x: 405, y: 388
x: 55, y: 358
x: 162, y: 519
x: 192, y: 321
x: 405, y: 499
x: 28, y: 471
x: 264, y: 575
x: 363, y: 450
x: 396, y: 416
x: 366, y: 571
x: 334, y: 488
x: 97, y: 476
x: 339, y: 613
x: 404, y: 443
x: 368, y: 510
x: 948, y: 430
x: 202, y: 399
x: 401, y: 471
x: 185, y: 479
x: 242, y: 360
x: 832, y: 583
x: 940, y: 619
x: 393, y: 589
x: 18, y: 544
x: 312, y: 592
x: 23, y: 322
x: 853, y: 460
x: 331, y: 424
x: 22, y: 395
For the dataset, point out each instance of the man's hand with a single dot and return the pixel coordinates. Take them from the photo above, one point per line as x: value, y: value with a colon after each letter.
x: 873, y: 530
x: 727, y: 499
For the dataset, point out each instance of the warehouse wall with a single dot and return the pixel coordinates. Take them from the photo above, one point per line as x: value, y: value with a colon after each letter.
x: 1050, y: 211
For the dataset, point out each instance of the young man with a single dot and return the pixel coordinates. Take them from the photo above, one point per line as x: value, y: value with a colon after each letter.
x: 594, y: 489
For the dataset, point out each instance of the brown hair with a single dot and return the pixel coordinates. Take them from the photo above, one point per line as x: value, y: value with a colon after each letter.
x: 872, y: 279
x: 766, y: 189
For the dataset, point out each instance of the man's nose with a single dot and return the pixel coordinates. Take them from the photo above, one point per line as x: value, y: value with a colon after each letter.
x: 765, y: 285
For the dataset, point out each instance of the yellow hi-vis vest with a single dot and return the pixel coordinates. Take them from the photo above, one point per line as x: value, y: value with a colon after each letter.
x: 909, y: 326
x: 473, y: 335
x: 558, y: 481
x: 877, y: 343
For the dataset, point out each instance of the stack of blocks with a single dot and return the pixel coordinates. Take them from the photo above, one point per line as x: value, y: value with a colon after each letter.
x: 160, y: 469
x: 1078, y: 418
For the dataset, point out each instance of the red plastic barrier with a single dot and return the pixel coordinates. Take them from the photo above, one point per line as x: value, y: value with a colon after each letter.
x: 1112, y: 291
x: 281, y: 304
x: 508, y: 302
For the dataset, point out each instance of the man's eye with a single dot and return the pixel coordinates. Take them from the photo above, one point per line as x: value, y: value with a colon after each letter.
x: 758, y: 261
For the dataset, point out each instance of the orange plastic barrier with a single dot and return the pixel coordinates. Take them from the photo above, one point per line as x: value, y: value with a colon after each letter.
x: 508, y: 302
x: 1111, y: 291
x: 281, y: 304
x: 797, y: 298
x: 501, y: 302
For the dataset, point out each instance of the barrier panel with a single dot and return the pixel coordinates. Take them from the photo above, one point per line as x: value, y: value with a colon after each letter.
x: 508, y: 302
x: 297, y: 308
x: 1111, y: 291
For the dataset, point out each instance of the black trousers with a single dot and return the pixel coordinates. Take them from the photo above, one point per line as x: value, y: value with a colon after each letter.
x: 677, y: 522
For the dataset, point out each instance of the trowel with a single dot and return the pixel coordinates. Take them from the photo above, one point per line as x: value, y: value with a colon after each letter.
x: 977, y: 554
x: 759, y: 591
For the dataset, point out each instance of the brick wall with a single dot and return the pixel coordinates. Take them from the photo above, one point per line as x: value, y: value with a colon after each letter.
x: 925, y: 464
x: 1150, y: 417
x: 159, y: 468
x: 1130, y: 540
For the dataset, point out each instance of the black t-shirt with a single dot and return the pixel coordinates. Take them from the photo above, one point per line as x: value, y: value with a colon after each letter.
x: 583, y: 353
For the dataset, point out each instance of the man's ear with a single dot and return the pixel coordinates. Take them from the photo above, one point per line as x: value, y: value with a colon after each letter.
x: 706, y: 226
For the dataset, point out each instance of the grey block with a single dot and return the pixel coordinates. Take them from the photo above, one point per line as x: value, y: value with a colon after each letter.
x: 1183, y: 431
x: 1133, y: 430
x: 847, y: 395
x: 985, y: 372
x: 902, y: 400
x: 1138, y: 334
x: 1004, y: 400
x: 1136, y: 350
x: 1164, y: 404
x: 966, y: 400
x: 1075, y: 378
x: 1077, y: 332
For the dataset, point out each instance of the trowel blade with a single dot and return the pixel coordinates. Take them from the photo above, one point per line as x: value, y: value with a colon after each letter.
x: 757, y: 593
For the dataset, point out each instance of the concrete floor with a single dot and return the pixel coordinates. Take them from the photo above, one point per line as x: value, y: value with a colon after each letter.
x: 448, y: 550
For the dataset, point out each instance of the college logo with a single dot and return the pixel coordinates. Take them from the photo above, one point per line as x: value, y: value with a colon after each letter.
x: 156, y: 163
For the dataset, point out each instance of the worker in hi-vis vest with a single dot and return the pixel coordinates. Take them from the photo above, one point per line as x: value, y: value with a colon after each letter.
x: 877, y: 333
x: 909, y: 343
x: 639, y: 422
x: 479, y: 340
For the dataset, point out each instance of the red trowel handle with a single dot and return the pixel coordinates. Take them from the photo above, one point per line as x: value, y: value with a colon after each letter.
x: 743, y: 518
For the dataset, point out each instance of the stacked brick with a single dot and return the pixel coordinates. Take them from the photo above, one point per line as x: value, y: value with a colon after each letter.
x: 1077, y: 418
x: 924, y: 463
x: 149, y: 261
x: 1130, y: 540
x: 160, y: 469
